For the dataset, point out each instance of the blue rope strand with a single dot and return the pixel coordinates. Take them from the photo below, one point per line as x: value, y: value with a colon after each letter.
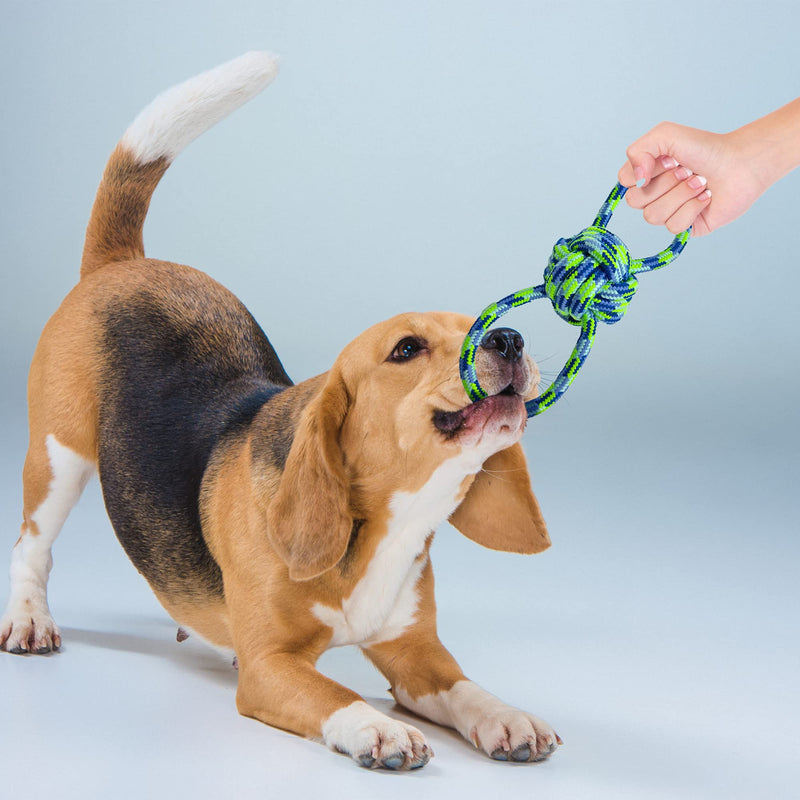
x: 588, y: 278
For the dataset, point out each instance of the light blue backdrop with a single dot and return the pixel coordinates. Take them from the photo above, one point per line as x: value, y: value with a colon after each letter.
x: 426, y: 155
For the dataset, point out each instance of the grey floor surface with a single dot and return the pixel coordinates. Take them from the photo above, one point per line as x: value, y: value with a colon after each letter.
x: 661, y: 642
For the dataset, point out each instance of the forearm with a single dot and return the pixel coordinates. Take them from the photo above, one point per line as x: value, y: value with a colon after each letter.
x: 771, y: 144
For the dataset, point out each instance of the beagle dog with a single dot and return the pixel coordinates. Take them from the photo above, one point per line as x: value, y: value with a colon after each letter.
x: 274, y: 519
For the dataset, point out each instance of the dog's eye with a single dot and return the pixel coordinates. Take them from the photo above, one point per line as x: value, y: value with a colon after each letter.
x: 406, y: 349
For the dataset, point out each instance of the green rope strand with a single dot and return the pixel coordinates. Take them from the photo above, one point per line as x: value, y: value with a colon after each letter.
x: 589, y: 278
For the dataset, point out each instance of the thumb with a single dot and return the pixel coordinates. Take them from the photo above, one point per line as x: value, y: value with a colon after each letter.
x: 638, y: 169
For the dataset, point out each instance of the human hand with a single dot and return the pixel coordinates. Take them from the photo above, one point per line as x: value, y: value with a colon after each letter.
x: 683, y: 176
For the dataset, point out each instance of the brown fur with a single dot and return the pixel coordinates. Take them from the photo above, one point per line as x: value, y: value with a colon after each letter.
x: 115, y: 226
x: 498, y: 511
x: 293, y: 504
x: 400, y: 659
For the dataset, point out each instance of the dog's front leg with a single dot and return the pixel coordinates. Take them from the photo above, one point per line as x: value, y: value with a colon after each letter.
x: 426, y: 679
x: 278, y: 640
x: 280, y: 685
x: 285, y: 690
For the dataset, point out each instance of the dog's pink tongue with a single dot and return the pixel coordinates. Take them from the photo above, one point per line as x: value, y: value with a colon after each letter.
x: 494, y: 409
x: 496, y: 412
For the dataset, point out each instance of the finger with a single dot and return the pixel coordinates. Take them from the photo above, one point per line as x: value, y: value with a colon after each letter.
x: 690, y: 214
x: 658, y: 186
x: 644, y: 153
x: 627, y: 175
x: 664, y: 207
x: 637, y: 172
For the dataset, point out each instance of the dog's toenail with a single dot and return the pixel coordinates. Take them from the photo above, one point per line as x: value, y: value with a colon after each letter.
x: 500, y: 755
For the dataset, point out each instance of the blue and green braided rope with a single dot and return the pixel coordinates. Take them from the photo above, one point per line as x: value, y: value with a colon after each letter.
x: 589, y: 278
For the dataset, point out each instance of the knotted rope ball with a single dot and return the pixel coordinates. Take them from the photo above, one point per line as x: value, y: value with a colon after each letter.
x: 589, y: 278
x: 590, y: 274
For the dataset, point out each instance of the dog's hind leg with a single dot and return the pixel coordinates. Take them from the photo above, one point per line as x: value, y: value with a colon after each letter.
x: 54, y: 478
x: 61, y: 458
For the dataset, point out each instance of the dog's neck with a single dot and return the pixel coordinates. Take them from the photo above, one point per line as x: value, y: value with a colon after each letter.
x: 377, y: 579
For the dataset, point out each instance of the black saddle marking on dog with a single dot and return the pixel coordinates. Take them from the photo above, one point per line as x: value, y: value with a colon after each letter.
x: 179, y: 377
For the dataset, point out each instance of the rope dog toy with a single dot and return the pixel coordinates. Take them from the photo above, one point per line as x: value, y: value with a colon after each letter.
x: 589, y: 277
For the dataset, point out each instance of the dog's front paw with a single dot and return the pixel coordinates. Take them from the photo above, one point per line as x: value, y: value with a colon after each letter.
x: 512, y: 735
x: 503, y: 732
x: 34, y: 632
x: 374, y: 740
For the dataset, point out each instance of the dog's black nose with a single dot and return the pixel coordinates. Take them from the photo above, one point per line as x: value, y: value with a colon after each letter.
x: 508, y: 343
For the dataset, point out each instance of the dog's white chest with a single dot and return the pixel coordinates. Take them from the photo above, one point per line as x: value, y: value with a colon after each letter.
x: 385, y: 601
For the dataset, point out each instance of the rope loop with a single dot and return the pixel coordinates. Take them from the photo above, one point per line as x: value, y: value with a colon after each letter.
x: 589, y: 278
x: 589, y: 275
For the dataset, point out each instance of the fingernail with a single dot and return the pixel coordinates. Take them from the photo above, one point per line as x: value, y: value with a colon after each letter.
x: 706, y: 195
x: 668, y: 162
x: 682, y: 173
x: 697, y: 182
x: 638, y: 173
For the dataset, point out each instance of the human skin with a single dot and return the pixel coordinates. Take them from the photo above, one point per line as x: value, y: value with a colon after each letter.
x: 681, y: 176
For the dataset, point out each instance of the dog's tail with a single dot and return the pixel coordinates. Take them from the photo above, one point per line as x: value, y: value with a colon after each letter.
x: 152, y: 142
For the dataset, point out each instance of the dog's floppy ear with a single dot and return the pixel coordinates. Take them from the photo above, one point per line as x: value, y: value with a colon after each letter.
x: 309, y: 521
x: 499, y: 510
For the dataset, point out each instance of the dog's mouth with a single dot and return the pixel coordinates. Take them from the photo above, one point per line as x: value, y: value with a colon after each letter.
x: 503, y: 412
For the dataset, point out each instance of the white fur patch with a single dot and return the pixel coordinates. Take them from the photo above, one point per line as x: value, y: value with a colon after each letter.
x: 384, y: 602
x: 181, y: 114
x: 373, y: 739
x: 344, y: 728
x: 456, y: 708
x: 486, y: 721
x: 27, y: 616
x: 71, y: 472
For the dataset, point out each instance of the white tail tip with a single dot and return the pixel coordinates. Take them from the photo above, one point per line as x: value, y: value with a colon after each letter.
x: 179, y: 115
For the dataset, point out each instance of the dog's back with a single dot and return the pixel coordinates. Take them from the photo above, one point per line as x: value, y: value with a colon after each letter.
x: 146, y: 362
x: 183, y: 365
x: 181, y: 360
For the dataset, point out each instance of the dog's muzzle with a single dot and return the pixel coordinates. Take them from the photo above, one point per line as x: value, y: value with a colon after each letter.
x: 505, y: 374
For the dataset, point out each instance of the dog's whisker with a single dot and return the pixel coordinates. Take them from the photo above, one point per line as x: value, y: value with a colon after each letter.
x: 543, y: 359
